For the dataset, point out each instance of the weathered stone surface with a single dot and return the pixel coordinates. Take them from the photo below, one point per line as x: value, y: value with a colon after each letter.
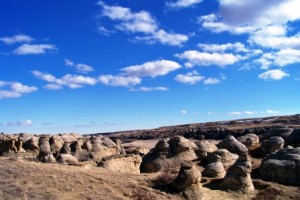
x: 283, y: 132
x: 142, y: 151
x: 204, y: 147
x: 187, y: 182
x: 272, y: 144
x: 223, y: 156
x: 282, y: 166
x: 45, y: 149
x: 232, y: 145
x: 294, y: 138
x: 67, y: 159
x: 214, y: 170
x: 122, y: 163
x: 169, y: 155
x: 251, y: 141
x: 238, y: 176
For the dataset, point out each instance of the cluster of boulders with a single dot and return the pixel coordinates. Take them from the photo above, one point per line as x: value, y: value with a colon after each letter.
x: 229, y: 160
x: 72, y: 149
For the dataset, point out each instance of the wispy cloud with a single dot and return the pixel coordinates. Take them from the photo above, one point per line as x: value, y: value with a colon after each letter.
x: 14, y: 89
x: 140, y: 23
x: 79, y: 67
x: 270, y: 111
x: 27, y: 49
x: 211, y: 81
x: 183, y: 112
x: 17, y: 123
x: 123, y: 81
x: 20, y: 38
x: 149, y: 89
x: 69, y: 80
x: 182, y: 3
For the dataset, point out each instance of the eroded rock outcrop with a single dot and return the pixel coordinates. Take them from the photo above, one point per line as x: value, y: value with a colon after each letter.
x: 272, y: 144
x: 238, y: 176
x: 214, y: 170
x: 251, y: 141
x: 223, y: 156
x: 187, y: 182
x: 169, y: 154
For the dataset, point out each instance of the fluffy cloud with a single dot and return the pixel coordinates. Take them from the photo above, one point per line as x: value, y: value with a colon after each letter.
x: 275, y: 74
x: 211, y: 81
x: 152, y: 69
x: 205, y: 59
x: 182, y: 3
x: 71, y: 81
x: 20, y: 38
x: 27, y: 49
x: 259, y: 13
x: 270, y: 111
x: 14, y: 89
x: 81, y: 68
x: 141, y: 22
x: 119, y: 80
x: 17, y: 123
x: 189, y: 78
x: 287, y: 56
x: 149, y: 89
x: 237, y: 47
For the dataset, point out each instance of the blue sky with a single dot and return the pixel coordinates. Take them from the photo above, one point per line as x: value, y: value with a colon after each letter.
x: 98, y: 66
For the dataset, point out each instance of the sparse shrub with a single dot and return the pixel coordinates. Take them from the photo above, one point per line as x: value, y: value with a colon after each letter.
x: 166, y: 177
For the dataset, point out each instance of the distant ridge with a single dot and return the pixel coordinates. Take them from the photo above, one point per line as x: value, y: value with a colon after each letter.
x: 216, y: 130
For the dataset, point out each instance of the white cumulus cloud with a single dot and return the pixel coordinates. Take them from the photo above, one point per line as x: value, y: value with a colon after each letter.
x: 275, y: 74
x: 14, y: 89
x: 17, y: 123
x: 152, y: 69
x: 211, y: 81
x: 237, y: 47
x: 27, y: 49
x: 189, y: 78
x: 20, y: 38
x: 194, y: 58
x: 141, y: 23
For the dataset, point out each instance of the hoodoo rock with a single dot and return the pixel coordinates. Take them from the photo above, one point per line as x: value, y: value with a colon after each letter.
x: 238, y: 176
x: 223, y: 156
x: 272, y: 144
x: 214, y: 170
x: 204, y: 147
x: 45, y: 149
x: 169, y: 154
x: 187, y: 182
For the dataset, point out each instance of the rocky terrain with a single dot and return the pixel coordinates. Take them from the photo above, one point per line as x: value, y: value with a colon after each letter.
x: 240, y: 159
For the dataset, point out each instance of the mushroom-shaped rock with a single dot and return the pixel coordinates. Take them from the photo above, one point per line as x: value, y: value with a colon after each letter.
x: 223, y: 156
x: 232, y: 145
x: 204, y: 147
x: 282, y: 166
x: 214, y: 170
x: 169, y: 155
x: 272, y: 144
x: 45, y: 149
x: 122, y: 163
x: 238, y: 176
x: 66, y: 149
x: 56, y: 143
x: 251, y: 141
x: 187, y: 182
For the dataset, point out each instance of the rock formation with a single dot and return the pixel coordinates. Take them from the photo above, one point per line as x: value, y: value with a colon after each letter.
x: 233, y: 145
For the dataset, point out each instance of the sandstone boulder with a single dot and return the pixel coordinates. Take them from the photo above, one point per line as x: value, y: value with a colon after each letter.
x: 187, y: 182
x: 204, y: 147
x: 122, y: 163
x: 294, y: 138
x: 282, y: 166
x: 214, y: 170
x: 238, y: 176
x: 67, y: 159
x: 169, y: 154
x: 272, y: 144
x: 232, y: 145
x: 45, y: 149
x: 251, y: 141
x: 223, y: 156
